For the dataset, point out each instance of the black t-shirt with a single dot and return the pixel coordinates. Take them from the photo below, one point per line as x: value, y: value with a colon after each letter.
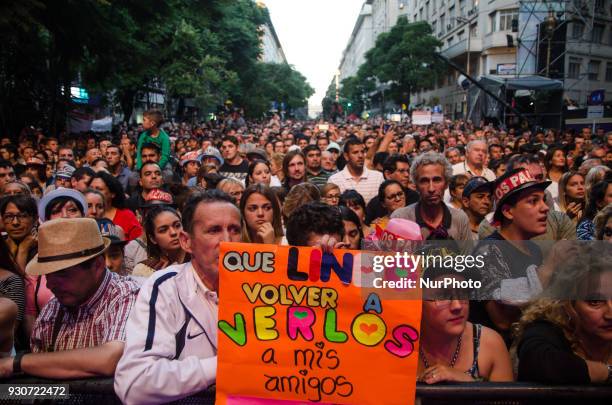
x: 238, y: 172
x: 503, y: 260
x: 546, y: 356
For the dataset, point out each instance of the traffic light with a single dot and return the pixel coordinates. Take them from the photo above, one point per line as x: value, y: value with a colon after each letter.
x: 349, y: 104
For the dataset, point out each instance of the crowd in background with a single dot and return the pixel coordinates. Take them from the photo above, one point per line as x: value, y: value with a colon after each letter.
x: 161, y: 196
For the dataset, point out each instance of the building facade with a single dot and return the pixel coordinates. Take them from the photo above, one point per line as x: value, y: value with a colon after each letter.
x: 271, y: 48
x: 361, y: 40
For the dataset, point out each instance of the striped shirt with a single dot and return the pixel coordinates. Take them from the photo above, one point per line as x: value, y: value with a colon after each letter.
x: 12, y: 288
x: 99, y: 320
x: 367, y: 185
x: 319, y: 179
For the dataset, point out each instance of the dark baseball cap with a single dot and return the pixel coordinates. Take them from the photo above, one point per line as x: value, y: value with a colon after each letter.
x: 477, y: 183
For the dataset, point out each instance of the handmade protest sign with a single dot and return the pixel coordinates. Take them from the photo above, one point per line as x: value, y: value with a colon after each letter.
x: 294, y: 325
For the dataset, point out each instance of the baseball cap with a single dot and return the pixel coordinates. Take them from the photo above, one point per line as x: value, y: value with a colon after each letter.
x: 109, y: 230
x: 193, y: 156
x: 65, y: 172
x: 156, y: 197
x: 477, y: 183
x: 212, y: 152
x: 333, y: 145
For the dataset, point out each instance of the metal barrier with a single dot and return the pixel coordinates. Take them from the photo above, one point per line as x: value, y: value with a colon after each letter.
x: 100, y: 391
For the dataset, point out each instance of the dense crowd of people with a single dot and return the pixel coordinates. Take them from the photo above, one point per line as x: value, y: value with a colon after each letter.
x: 109, y: 254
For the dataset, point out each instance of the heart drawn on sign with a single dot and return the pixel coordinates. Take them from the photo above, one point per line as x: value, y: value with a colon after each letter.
x: 320, y: 345
x: 401, y: 272
x: 303, y: 372
x: 368, y: 329
x: 300, y: 314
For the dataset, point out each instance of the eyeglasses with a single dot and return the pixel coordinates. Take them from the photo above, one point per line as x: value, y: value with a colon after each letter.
x: 397, y: 196
x: 9, y: 218
x: 443, y: 299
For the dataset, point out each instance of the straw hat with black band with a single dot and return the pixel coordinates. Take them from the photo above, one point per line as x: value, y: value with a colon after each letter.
x: 64, y: 243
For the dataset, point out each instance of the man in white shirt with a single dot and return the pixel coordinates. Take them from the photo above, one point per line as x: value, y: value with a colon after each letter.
x: 171, y: 347
x: 355, y: 176
x: 475, y: 159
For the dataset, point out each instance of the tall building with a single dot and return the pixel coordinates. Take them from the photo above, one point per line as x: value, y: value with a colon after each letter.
x: 509, y: 38
x: 478, y: 31
x: 361, y: 40
x: 271, y: 48
x: 568, y: 40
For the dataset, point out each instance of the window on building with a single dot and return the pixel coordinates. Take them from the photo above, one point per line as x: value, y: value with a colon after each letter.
x: 609, y: 72
x: 492, y: 25
x: 594, y: 70
x: 449, y: 42
x: 505, y: 19
x: 462, y: 11
x: 474, y: 30
x: 577, y: 30
x: 574, y: 68
x: 416, y: 18
x: 451, y: 16
x: 442, y: 20
x: 597, y: 33
x: 599, y: 5
x: 433, y: 7
x: 460, y: 36
x: 427, y: 11
x: 434, y: 27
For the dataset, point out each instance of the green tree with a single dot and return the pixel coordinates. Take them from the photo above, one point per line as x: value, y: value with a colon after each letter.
x: 403, y: 56
x: 278, y: 82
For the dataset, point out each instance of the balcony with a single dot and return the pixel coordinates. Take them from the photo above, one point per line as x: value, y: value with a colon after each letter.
x: 460, y: 48
x: 496, y: 40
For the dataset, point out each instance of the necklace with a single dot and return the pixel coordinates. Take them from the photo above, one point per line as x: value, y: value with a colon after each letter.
x: 453, y: 359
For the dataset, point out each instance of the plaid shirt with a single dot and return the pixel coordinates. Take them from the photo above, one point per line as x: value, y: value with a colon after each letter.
x: 100, y: 320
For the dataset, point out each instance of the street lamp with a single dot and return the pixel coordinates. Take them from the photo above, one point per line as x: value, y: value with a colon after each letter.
x: 549, y: 26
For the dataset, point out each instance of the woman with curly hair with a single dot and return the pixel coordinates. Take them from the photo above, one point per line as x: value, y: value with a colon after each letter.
x: 566, y: 337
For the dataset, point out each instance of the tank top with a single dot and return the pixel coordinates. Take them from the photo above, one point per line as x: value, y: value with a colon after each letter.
x: 474, y: 371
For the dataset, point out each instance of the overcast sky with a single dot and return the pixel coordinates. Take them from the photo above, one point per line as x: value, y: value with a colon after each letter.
x: 313, y: 34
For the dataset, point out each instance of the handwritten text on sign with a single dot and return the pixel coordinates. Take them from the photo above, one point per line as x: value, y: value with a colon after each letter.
x: 293, y: 325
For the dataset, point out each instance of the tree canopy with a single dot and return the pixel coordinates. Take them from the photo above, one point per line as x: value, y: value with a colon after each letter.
x: 403, y: 56
x: 205, y: 50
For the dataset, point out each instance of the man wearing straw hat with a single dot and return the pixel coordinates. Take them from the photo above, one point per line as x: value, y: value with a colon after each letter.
x: 80, y: 332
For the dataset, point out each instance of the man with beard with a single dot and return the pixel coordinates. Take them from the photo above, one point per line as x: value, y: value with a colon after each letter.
x: 430, y: 173
x: 355, y: 176
x: 314, y: 172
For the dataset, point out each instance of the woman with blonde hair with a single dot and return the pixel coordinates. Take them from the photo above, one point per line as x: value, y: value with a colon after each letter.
x: 330, y: 194
x: 232, y: 187
x: 566, y: 337
x: 594, y: 176
x: 572, y: 195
